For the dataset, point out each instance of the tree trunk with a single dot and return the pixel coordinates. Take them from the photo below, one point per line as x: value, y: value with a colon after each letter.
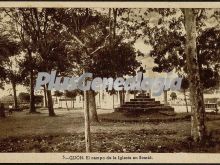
x: 165, y: 97
x: 115, y: 22
x: 121, y: 97
x: 92, y: 107
x: 185, y: 99
x: 45, y: 97
x: 83, y: 99
x: 50, y: 104
x: 87, y: 122
x: 100, y: 100
x: 32, y: 102
x: 67, y: 106
x: 113, y: 101
x: 198, y: 128
x: 2, y: 111
x: 110, y: 27
x: 15, y: 95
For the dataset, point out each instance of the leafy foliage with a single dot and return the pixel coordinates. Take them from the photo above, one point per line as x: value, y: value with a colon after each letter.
x: 173, y: 96
x: 8, y: 47
x: 71, y: 94
x: 116, y: 60
x: 25, y: 97
x: 58, y: 93
x: 168, y: 49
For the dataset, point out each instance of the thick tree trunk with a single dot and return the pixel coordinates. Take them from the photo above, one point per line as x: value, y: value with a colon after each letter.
x: 198, y: 128
x: 87, y: 118
x: 92, y: 107
x: 50, y: 104
x: 15, y: 95
x: 185, y: 99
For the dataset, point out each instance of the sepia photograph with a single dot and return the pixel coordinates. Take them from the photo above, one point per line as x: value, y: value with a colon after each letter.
x: 109, y: 80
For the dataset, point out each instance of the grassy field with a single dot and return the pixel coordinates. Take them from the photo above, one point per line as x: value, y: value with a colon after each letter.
x: 24, y: 132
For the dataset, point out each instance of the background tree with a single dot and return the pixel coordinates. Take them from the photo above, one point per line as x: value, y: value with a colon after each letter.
x: 121, y: 60
x: 72, y: 95
x: 58, y: 94
x: 8, y: 48
x: 15, y: 79
x: 173, y: 96
x: 13, y: 76
x: 15, y: 20
x: 38, y: 99
x: 48, y: 43
x: 24, y: 97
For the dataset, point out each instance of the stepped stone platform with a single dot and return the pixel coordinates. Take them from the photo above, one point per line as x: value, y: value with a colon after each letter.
x: 143, y: 104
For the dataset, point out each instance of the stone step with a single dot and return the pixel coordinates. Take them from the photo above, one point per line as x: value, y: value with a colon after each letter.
x: 142, y: 94
x: 155, y: 107
x: 142, y: 97
x: 142, y: 102
x: 146, y: 99
x: 143, y: 110
x: 139, y: 106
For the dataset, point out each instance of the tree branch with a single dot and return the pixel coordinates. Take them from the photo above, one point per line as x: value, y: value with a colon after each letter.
x: 79, y: 41
x: 7, y: 13
x: 100, y: 47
